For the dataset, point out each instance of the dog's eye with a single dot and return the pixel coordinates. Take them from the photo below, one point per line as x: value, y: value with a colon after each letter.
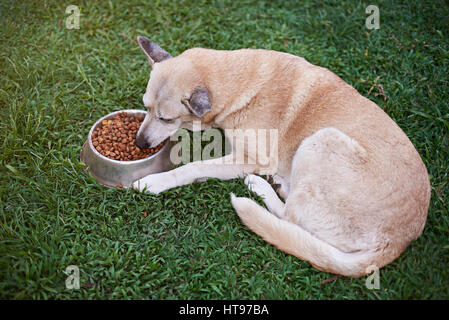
x: 167, y: 120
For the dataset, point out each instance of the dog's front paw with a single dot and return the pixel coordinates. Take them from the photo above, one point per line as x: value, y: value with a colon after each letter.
x: 154, y: 183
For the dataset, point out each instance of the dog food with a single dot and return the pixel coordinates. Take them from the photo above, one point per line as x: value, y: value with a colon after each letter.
x: 116, y: 138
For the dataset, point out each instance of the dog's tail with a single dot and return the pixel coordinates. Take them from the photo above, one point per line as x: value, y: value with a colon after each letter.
x: 294, y: 240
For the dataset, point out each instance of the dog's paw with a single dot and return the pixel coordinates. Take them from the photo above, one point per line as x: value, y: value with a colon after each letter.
x: 246, y: 209
x: 258, y: 185
x: 154, y: 183
x: 238, y: 202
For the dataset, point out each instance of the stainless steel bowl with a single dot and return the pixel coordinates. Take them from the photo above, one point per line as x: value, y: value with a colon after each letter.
x: 111, y: 172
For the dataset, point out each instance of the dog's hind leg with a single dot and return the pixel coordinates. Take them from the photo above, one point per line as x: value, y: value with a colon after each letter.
x: 262, y: 188
x: 323, y: 216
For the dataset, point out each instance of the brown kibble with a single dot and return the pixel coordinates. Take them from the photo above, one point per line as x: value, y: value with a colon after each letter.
x: 115, y: 138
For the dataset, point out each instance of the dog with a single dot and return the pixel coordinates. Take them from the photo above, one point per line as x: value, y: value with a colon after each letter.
x: 356, y: 190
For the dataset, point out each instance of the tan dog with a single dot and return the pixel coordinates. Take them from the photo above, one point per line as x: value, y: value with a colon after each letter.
x: 356, y: 190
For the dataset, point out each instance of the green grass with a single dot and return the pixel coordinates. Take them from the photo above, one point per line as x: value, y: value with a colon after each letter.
x: 56, y: 82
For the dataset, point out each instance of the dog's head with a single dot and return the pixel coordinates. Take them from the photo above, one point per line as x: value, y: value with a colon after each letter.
x: 175, y: 95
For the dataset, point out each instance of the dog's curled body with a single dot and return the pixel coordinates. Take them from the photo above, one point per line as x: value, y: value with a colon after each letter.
x: 357, y: 189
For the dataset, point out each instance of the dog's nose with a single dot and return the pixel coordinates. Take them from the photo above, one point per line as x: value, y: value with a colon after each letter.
x: 141, y: 142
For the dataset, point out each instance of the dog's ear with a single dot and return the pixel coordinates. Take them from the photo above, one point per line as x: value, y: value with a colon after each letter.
x: 152, y: 50
x: 199, y: 102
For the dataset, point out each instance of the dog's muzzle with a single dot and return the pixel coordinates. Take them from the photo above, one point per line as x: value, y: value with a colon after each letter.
x: 141, y: 142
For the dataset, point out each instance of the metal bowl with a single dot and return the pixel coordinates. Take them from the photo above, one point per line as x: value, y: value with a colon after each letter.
x: 113, y: 173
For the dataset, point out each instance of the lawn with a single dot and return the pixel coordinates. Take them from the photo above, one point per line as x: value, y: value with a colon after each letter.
x: 188, y: 243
